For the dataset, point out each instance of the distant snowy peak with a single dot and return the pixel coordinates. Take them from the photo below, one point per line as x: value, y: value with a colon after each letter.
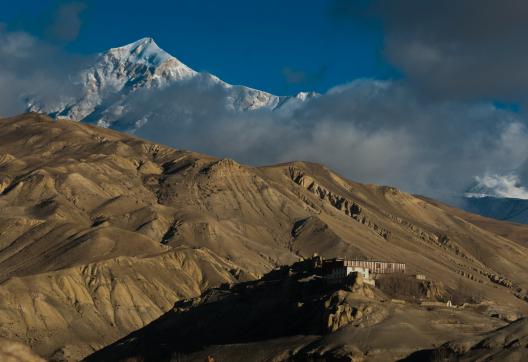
x: 498, y: 186
x: 143, y: 58
x: 108, y: 84
x: 142, y: 51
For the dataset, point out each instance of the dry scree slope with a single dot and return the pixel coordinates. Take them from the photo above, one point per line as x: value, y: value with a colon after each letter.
x: 101, y: 232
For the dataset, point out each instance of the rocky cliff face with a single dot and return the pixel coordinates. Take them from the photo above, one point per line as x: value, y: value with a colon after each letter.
x: 348, y: 207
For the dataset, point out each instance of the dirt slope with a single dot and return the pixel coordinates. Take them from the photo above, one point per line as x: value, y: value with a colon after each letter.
x: 507, y: 343
x: 509, y: 230
x: 76, y: 198
x: 292, y: 316
x: 71, y: 312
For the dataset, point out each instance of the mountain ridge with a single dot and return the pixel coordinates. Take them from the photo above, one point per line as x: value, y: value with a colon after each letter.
x: 87, y: 212
x: 121, y: 72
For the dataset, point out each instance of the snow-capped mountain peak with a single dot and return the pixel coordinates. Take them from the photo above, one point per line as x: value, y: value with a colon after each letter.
x: 499, y: 186
x: 107, y: 87
x: 144, y: 50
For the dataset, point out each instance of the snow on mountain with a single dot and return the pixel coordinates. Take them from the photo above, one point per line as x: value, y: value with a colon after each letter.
x: 108, y: 86
x: 498, y: 196
x: 500, y: 186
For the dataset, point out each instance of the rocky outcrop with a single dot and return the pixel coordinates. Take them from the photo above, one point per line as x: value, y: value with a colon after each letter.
x: 418, y: 231
x: 4, y: 183
x: 344, y: 205
x: 340, y: 311
x: 521, y: 293
x: 222, y: 167
x: 498, y: 279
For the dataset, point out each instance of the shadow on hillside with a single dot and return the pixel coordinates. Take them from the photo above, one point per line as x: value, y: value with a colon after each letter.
x: 278, y: 305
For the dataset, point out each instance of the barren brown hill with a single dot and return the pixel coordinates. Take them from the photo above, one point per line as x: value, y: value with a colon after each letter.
x: 509, y: 230
x: 507, y: 343
x: 291, y: 314
x: 101, y: 232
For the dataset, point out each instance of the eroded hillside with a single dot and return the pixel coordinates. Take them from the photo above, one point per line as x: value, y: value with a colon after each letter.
x: 292, y: 314
x: 101, y: 232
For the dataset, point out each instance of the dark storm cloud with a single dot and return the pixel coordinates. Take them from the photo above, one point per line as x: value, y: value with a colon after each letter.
x: 465, y: 49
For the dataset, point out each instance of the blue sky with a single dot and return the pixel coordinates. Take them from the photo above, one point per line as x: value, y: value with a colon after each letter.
x: 278, y: 46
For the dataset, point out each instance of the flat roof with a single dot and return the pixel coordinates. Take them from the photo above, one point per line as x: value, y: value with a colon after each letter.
x: 368, y: 260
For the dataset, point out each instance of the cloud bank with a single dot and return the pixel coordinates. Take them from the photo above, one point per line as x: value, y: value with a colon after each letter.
x: 32, y: 67
x: 508, y: 186
x: 455, y: 49
x: 370, y: 131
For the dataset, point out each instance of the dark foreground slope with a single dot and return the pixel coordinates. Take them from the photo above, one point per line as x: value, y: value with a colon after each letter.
x: 101, y: 232
x: 292, y: 315
x: 508, y: 343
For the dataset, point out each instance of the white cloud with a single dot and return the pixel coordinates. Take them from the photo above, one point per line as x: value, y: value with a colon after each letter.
x: 507, y: 186
x: 29, y: 66
x: 368, y: 130
x: 16, y: 44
